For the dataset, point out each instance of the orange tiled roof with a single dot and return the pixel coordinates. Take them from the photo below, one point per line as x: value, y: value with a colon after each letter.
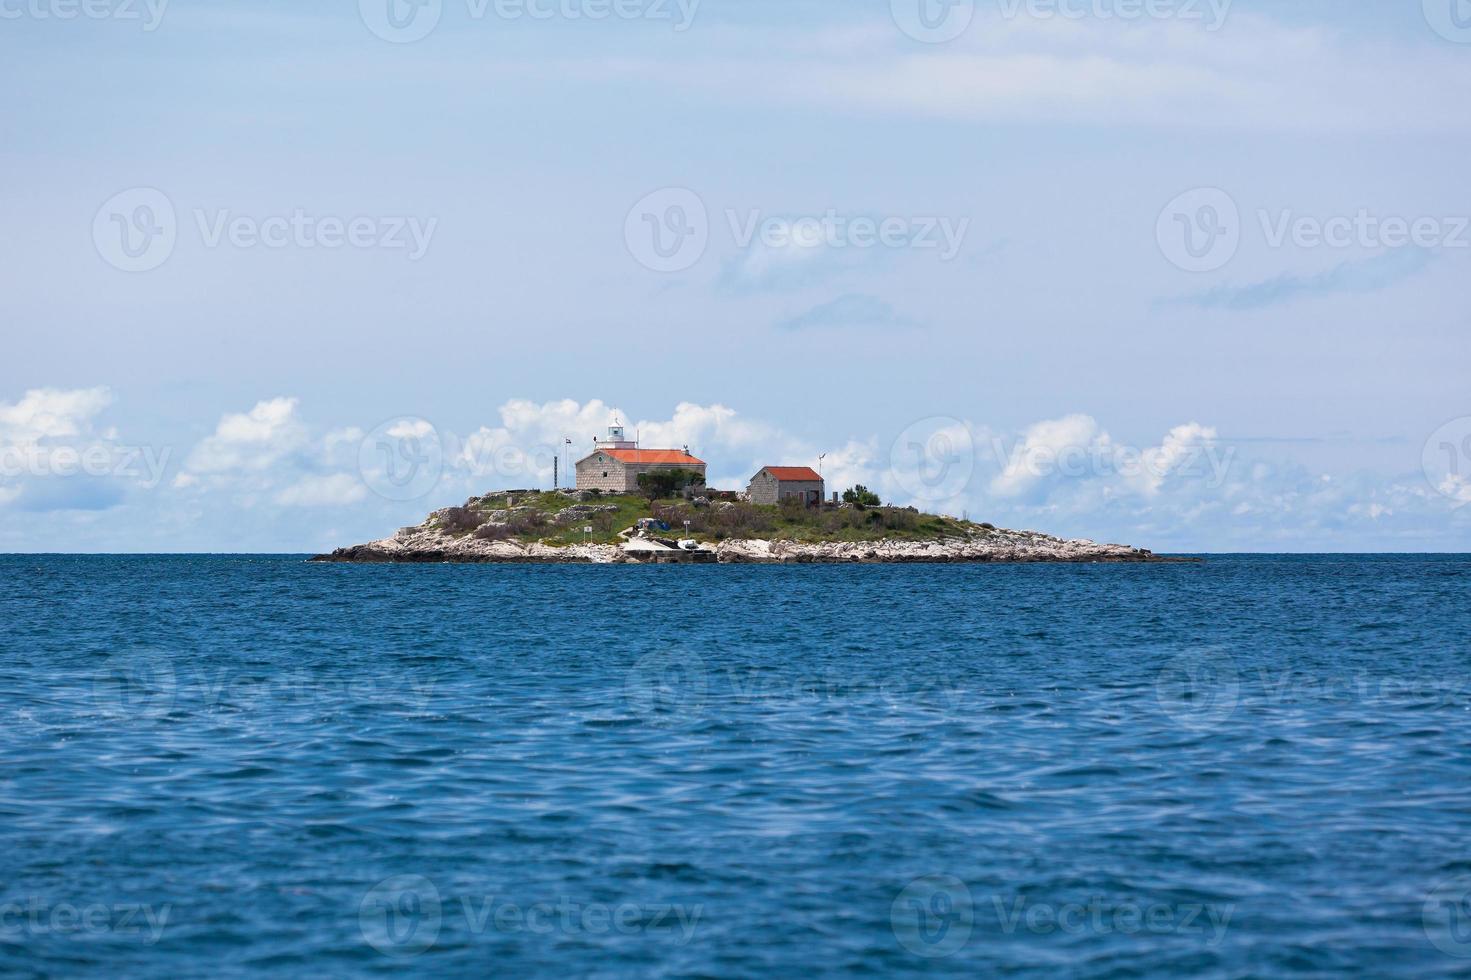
x: 794, y: 474
x: 653, y: 456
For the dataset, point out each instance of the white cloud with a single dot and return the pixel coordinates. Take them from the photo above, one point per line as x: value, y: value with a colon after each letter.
x: 1254, y: 72
x: 1456, y: 488
x: 51, y: 413
x: 53, y: 456
x: 1042, y: 448
x: 1183, y: 445
x: 252, y: 441
x: 334, y: 490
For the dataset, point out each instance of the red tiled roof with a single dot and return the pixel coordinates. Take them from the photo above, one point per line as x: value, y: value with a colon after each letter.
x: 654, y: 456
x: 794, y: 474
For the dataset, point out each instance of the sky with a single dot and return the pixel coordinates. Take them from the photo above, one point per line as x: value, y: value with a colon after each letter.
x: 1190, y: 275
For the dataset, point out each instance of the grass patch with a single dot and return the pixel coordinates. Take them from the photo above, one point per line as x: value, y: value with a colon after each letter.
x: 531, y: 519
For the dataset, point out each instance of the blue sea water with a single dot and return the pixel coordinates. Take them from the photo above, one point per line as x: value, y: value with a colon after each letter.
x: 218, y: 766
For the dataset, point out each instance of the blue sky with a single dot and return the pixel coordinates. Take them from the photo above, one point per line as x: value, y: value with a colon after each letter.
x: 1192, y: 276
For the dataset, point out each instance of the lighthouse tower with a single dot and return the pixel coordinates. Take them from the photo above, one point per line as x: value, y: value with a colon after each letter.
x: 617, y: 438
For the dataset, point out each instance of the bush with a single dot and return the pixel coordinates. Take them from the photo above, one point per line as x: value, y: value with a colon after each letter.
x: 663, y: 484
x: 461, y: 520
x: 861, y: 496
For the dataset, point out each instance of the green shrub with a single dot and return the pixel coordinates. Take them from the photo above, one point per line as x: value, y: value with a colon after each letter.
x: 662, y: 484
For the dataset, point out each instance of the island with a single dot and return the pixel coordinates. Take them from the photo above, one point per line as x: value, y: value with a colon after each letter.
x: 591, y: 526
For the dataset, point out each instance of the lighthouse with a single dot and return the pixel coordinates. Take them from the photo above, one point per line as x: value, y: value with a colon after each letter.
x: 617, y: 438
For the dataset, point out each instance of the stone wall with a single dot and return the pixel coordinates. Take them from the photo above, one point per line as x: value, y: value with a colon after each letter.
x: 766, y: 489
x: 590, y: 474
x: 622, y: 477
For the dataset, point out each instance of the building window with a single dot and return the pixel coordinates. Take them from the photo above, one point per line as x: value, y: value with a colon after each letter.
x: 605, y: 474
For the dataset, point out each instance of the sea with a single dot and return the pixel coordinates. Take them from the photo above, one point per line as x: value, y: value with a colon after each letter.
x: 1249, y: 766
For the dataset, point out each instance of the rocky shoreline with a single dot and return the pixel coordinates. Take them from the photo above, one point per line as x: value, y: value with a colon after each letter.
x: 424, y: 545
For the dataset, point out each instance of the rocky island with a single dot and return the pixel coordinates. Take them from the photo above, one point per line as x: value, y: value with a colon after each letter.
x: 591, y: 527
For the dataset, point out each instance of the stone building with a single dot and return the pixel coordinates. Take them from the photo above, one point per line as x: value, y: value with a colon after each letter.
x: 616, y: 462
x: 775, y: 483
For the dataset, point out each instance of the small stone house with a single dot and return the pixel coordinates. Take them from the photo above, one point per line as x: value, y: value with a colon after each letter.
x: 776, y: 483
x: 617, y: 470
